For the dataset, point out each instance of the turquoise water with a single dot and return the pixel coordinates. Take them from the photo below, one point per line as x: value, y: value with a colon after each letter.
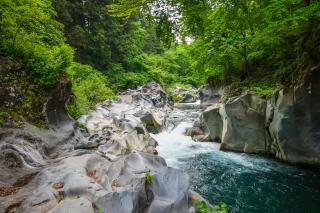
x: 246, y: 183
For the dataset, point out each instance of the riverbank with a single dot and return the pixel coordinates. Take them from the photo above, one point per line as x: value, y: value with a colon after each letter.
x: 108, y: 163
x: 245, y: 182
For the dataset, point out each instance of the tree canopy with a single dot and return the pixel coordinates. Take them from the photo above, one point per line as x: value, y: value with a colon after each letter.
x: 238, y: 40
x: 105, y: 46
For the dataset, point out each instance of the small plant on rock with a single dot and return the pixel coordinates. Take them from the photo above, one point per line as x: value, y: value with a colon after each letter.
x: 220, y: 208
x: 148, y: 178
x: 100, y: 211
x: 201, y: 207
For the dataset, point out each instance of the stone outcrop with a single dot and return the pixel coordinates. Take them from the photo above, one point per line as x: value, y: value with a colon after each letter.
x: 55, y: 110
x: 182, y: 95
x: 212, y: 92
x: 294, y: 121
x: 102, y: 167
x: 244, y: 124
x: 287, y: 125
x: 213, y: 122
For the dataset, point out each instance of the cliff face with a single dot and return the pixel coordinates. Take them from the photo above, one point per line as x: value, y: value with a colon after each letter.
x: 294, y: 116
x: 287, y: 125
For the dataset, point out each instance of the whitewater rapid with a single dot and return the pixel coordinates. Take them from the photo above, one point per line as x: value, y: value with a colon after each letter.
x: 246, y: 183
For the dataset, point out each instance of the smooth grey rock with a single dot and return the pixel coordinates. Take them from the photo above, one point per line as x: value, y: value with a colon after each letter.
x: 212, y: 92
x: 295, y: 125
x: 108, y: 171
x: 212, y: 122
x: 151, y: 122
x: 130, y: 199
x: 194, y: 131
x: 75, y: 205
x: 169, y: 190
x: 244, y: 124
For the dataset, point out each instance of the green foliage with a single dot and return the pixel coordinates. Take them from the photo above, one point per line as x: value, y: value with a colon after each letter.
x: 201, y: 207
x: 74, y: 110
x: 89, y: 87
x: 233, y: 40
x: 2, y: 118
x: 256, y: 44
x: 173, y: 67
x: 220, y: 208
x: 28, y: 31
x: 45, y: 65
x: 263, y: 90
x: 101, y: 40
x: 27, y: 98
x: 148, y: 178
x: 120, y: 79
x: 99, y: 211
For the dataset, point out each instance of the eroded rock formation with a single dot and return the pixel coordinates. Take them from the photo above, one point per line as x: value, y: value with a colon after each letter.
x: 100, y: 165
x: 287, y: 125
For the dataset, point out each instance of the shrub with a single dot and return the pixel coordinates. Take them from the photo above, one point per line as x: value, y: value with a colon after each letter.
x: 73, y: 110
x: 89, y: 87
x: 46, y: 64
x: 29, y: 32
x: 148, y: 178
x: 121, y: 79
x: 201, y: 207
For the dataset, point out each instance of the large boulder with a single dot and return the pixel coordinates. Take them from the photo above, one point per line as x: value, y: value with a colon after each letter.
x: 213, y: 123
x: 244, y: 124
x: 198, y: 131
x: 169, y: 190
x: 149, y: 95
x: 295, y: 121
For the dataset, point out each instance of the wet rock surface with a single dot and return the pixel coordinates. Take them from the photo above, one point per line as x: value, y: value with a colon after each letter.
x: 99, y: 166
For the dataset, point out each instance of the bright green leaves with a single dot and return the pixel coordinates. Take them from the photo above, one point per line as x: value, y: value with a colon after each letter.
x: 46, y: 64
x: 126, y: 8
x: 29, y: 32
x: 201, y: 207
x: 89, y: 86
x: 237, y: 39
x: 148, y: 178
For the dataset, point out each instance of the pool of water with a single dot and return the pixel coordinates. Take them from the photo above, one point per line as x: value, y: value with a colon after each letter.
x: 246, y: 183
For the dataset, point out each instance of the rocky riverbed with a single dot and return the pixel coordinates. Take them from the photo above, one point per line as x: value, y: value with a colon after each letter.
x: 99, y: 166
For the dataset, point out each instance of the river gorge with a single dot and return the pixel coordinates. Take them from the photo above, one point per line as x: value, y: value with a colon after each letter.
x: 133, y: 155
x: 246, y: 183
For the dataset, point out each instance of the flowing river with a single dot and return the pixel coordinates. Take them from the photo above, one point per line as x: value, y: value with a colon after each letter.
x: 246, y: 183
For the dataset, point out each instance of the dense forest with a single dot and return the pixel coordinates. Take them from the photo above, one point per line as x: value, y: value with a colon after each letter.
x: 107, y: 46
